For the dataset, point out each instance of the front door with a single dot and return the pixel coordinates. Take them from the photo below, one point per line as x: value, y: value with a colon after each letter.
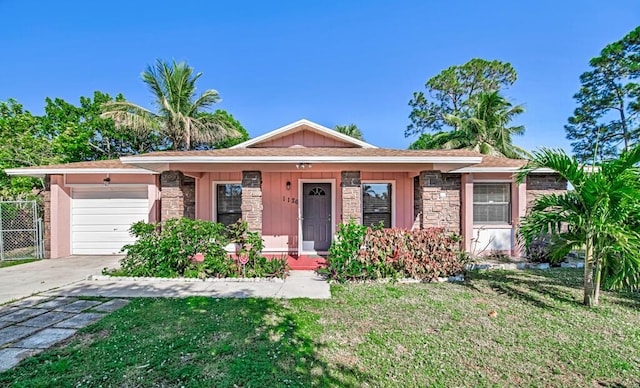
x: 316, y: 216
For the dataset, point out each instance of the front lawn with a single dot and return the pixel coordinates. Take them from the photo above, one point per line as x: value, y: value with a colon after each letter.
x: 367, y: 335
x: 11, y: 263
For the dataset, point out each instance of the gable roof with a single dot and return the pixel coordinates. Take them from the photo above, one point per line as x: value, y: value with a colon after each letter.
x: 301, y: 125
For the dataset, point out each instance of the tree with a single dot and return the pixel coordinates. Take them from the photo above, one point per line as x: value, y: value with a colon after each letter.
x: 22, y: 144
x: 605, y: 120
x: 225, y: 117
x: 452, y: 92
x: 79, y: 133
x: 178, y: 118
x: 600, y: 214
x: 349, y: 130
x: 483, y: 129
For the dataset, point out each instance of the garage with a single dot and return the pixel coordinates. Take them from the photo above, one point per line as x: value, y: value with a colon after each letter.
x: 101, y: 218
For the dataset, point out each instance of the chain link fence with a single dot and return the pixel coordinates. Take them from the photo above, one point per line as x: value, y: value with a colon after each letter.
x: 20, y: 231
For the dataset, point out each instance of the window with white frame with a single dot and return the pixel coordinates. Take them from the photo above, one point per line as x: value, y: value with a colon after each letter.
x: 376, y: 204
x: 491, y: 203
x: 228, y: 202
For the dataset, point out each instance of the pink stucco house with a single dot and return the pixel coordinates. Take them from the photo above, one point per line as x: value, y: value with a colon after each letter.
x: 294, y: 185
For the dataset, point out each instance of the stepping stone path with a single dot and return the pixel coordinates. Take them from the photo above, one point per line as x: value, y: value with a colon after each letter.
x: 31, y: 325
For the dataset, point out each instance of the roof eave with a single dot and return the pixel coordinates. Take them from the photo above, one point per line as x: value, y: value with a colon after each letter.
x: 41, y: 172
x: 499, y: 169
x: 141, y: 161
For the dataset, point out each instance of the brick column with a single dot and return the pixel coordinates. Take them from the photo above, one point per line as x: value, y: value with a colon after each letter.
x: 46, y: 219
x: 440, y: 200
x: 539, y: 184
x: 351, y: 196
x: 172, y: 197
x: 252, y: 200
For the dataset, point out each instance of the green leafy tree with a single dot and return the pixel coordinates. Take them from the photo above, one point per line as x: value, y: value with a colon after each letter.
x: 601, y: 214
x: 22, y: 144
x: 452, y: 92
x: 349, y: 130
x: 606, y: 119
x: 485, y: 129
x: 230, y: 122
x: 79, y: 133
x: 178, y: 118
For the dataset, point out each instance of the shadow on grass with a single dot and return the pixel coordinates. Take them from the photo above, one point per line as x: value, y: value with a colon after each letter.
x: 541, y: 288
x: 195, y: 341
x: 547, y: 289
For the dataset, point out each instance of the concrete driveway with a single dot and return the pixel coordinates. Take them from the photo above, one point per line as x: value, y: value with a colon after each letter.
x: 23, y: 280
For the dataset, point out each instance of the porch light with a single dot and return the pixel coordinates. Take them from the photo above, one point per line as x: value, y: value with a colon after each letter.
x: 304, y: 165
x: 288, y: 185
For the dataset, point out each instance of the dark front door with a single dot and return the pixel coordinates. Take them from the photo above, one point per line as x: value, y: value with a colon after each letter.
x: 316, y: 216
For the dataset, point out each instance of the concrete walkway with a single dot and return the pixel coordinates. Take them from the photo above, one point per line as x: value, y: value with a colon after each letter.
x: 33, y: 324
x: 299, y: 284
x: 24, y: 280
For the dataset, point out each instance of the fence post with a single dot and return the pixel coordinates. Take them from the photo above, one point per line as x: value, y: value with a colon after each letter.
x: 1, y: 235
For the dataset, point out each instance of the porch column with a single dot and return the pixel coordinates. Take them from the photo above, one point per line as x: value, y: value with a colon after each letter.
x: 46, y: 219
x: 252, y: 200
x: 351, y: 196
x: 177, y: 195
x: 440, y: 200
x: 518, y: 210
x: 467, y: 211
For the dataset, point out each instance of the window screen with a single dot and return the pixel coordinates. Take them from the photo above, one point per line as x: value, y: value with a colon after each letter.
x: 376, y: 204
x: 491, y: 203
x: 228, y: 203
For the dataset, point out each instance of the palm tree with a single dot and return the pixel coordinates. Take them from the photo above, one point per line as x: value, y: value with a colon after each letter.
x: 601, y: 214
x: 486, y: 130
x: 179, y: 117
x: 349, y: 130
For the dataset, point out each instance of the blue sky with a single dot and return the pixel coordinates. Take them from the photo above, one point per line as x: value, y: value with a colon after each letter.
x: 330, y: 62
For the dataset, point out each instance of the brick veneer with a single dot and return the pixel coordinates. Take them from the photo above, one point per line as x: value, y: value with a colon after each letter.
x: 351, y: 186
x: 440, y: 200
x: 178, y: 195
x: 252, y: 200
x: 539, y: 184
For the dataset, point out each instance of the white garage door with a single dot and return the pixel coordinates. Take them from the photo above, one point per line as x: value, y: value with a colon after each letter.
x: 101, y: 218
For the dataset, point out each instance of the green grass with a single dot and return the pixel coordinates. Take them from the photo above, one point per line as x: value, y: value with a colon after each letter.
x: 367, y: 335
x: 11, y: 263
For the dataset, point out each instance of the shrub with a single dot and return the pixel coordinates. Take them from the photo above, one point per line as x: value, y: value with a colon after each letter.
x: 361, y: 253
x: 546, y: 249
x: 342, y: 263
x: 170, y: 250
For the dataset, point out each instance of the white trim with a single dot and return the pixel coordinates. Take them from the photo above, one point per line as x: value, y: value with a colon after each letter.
x: 498, y: 225
x: 500, y: 169
x: 301, y: 182
x: 214, y: 192
x: 37, y: 172
x: 319, y: 128
x: 493, y: 180
x: 393, y: 197
x: 301, y: 158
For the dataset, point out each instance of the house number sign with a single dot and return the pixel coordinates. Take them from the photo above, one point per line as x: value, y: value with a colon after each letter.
x: 293, y: 201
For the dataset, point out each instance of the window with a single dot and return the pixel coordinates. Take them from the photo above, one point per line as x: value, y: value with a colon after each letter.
x: 376, y: 204
x: 228, y: 203
x: 491, y: 203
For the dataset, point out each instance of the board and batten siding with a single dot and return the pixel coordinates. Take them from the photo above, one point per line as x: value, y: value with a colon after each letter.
x: 303, y: 138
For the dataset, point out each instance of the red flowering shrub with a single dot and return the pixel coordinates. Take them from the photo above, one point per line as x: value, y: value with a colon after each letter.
x: 361, y: 253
